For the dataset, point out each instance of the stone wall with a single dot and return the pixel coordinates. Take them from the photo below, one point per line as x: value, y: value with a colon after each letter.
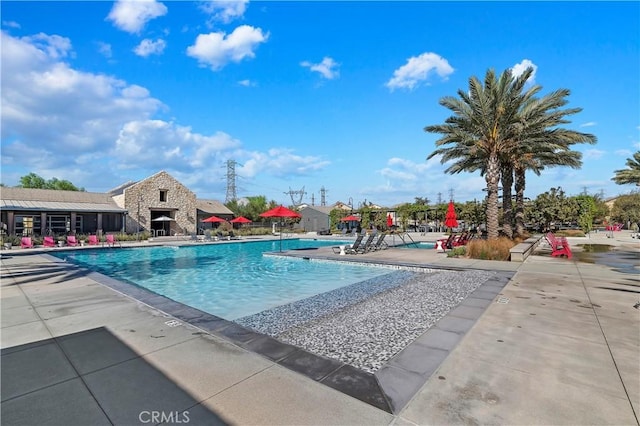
x: 180, y: 204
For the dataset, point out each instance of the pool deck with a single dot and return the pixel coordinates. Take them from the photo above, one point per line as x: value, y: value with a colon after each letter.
x: 558, y: 344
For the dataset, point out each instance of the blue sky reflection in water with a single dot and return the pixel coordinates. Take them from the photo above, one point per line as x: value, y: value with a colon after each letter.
x: 227, y: 280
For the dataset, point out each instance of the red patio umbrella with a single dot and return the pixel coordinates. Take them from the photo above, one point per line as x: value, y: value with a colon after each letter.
x: 213, y: 219
x: 450, y: 219
x: 350, y: 218
x: 389, y: 221
x: 280, y: 212
x: 240, y: 219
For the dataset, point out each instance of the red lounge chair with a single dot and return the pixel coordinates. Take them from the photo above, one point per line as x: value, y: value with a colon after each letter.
x: 26, y: 242
x: 93, y: 240
x: 71, y: 241
x: 49, y: 242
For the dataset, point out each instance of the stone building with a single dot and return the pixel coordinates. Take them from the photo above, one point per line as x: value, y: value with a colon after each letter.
x: 158, y: 204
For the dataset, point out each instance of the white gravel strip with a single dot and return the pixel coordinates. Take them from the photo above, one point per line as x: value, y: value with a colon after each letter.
x: 367, y: 323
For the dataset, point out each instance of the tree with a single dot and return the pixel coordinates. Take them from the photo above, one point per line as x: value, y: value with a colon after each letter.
x: 482, y: 130
x: 630, y: 175
x: 626, y: 209
x: 32, y: 180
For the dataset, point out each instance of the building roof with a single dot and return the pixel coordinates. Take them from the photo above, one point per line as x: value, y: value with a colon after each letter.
x: 321, y: 209
x: 213, y: 207
x: 54, y: 200
x: 119, y: 190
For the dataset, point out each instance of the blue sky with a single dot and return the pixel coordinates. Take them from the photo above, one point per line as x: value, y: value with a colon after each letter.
x: 331, y: 95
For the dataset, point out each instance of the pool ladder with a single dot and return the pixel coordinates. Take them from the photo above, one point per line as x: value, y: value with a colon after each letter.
x: 406, y: 235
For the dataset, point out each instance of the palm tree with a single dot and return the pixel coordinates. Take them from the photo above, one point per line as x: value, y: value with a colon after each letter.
x: 482, y: 131
x: 631, y: 174
x: 544, y: 143
x: 503, y: 128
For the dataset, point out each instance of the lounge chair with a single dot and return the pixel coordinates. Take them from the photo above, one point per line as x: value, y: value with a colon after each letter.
x: 380, y: 244
x: 93, y: 240
x: 351, y: 248
x: 111, y: 241
x: 71, y: 241
x: 26, y: 242
x: 48, y: 242
x: 367, y: 245
x: 233, y: 236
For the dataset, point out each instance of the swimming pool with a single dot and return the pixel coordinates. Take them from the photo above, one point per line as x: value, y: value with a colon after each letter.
x: 229, y: 280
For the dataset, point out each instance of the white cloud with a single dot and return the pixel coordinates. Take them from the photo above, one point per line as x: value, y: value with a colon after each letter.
x: 593, y: 154
x: 280, y: 162
x: 327, y: 68
x: 520, y: 68
x: 624, y: 152
x: 417, y: 70
x: 156, y: 143
x: 224, y: 10
x: 105, y: 49
x: 405, y: 179
x: 216, y: 49
x: 54, y: 46
x: 247, y: 83
x: 589, y: 124
x: 10, y: 24
x: 131, y: 16
x: 149, y: 47
x: 48, y: 104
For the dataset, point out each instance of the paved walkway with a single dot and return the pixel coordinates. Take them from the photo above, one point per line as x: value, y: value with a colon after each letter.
x: 560, y: 344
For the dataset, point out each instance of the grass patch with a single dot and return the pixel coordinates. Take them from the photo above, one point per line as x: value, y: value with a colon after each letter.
x: 569, y: 233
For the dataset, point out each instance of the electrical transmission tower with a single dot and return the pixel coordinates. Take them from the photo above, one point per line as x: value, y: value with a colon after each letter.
x: 300, y: 194
x: 323, y: 197
x: 231, y: 181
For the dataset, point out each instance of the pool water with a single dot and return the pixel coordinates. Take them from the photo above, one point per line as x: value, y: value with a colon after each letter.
x: 229, y: 280
x: 418, y: 245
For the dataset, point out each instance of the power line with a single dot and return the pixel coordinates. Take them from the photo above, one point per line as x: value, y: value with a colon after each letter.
x: 299, y: 193
x: 323, y: 199
x: 231, y: 181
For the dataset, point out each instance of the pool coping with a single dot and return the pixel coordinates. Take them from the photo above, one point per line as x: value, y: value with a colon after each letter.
x: 390, y: 388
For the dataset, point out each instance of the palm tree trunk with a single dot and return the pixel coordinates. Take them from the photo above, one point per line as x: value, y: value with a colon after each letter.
x: 492, y: 178
x: 507, y: 205
x: 519, y: 188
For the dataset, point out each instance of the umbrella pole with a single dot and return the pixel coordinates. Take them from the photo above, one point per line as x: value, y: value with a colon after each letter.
x: 280, y: 236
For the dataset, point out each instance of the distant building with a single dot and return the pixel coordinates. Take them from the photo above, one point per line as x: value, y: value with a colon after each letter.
x: 315, y: 218
x: 28, y: 211
x: 159, y: 204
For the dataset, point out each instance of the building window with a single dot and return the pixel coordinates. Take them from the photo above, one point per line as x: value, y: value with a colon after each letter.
x: 163, y: 195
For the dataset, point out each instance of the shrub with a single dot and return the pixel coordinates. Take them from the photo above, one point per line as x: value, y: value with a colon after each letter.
x: 457, y: 252
x: 497, y: 249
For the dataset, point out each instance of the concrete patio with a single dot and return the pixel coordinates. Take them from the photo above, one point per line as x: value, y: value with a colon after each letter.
x: 559, y: 344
